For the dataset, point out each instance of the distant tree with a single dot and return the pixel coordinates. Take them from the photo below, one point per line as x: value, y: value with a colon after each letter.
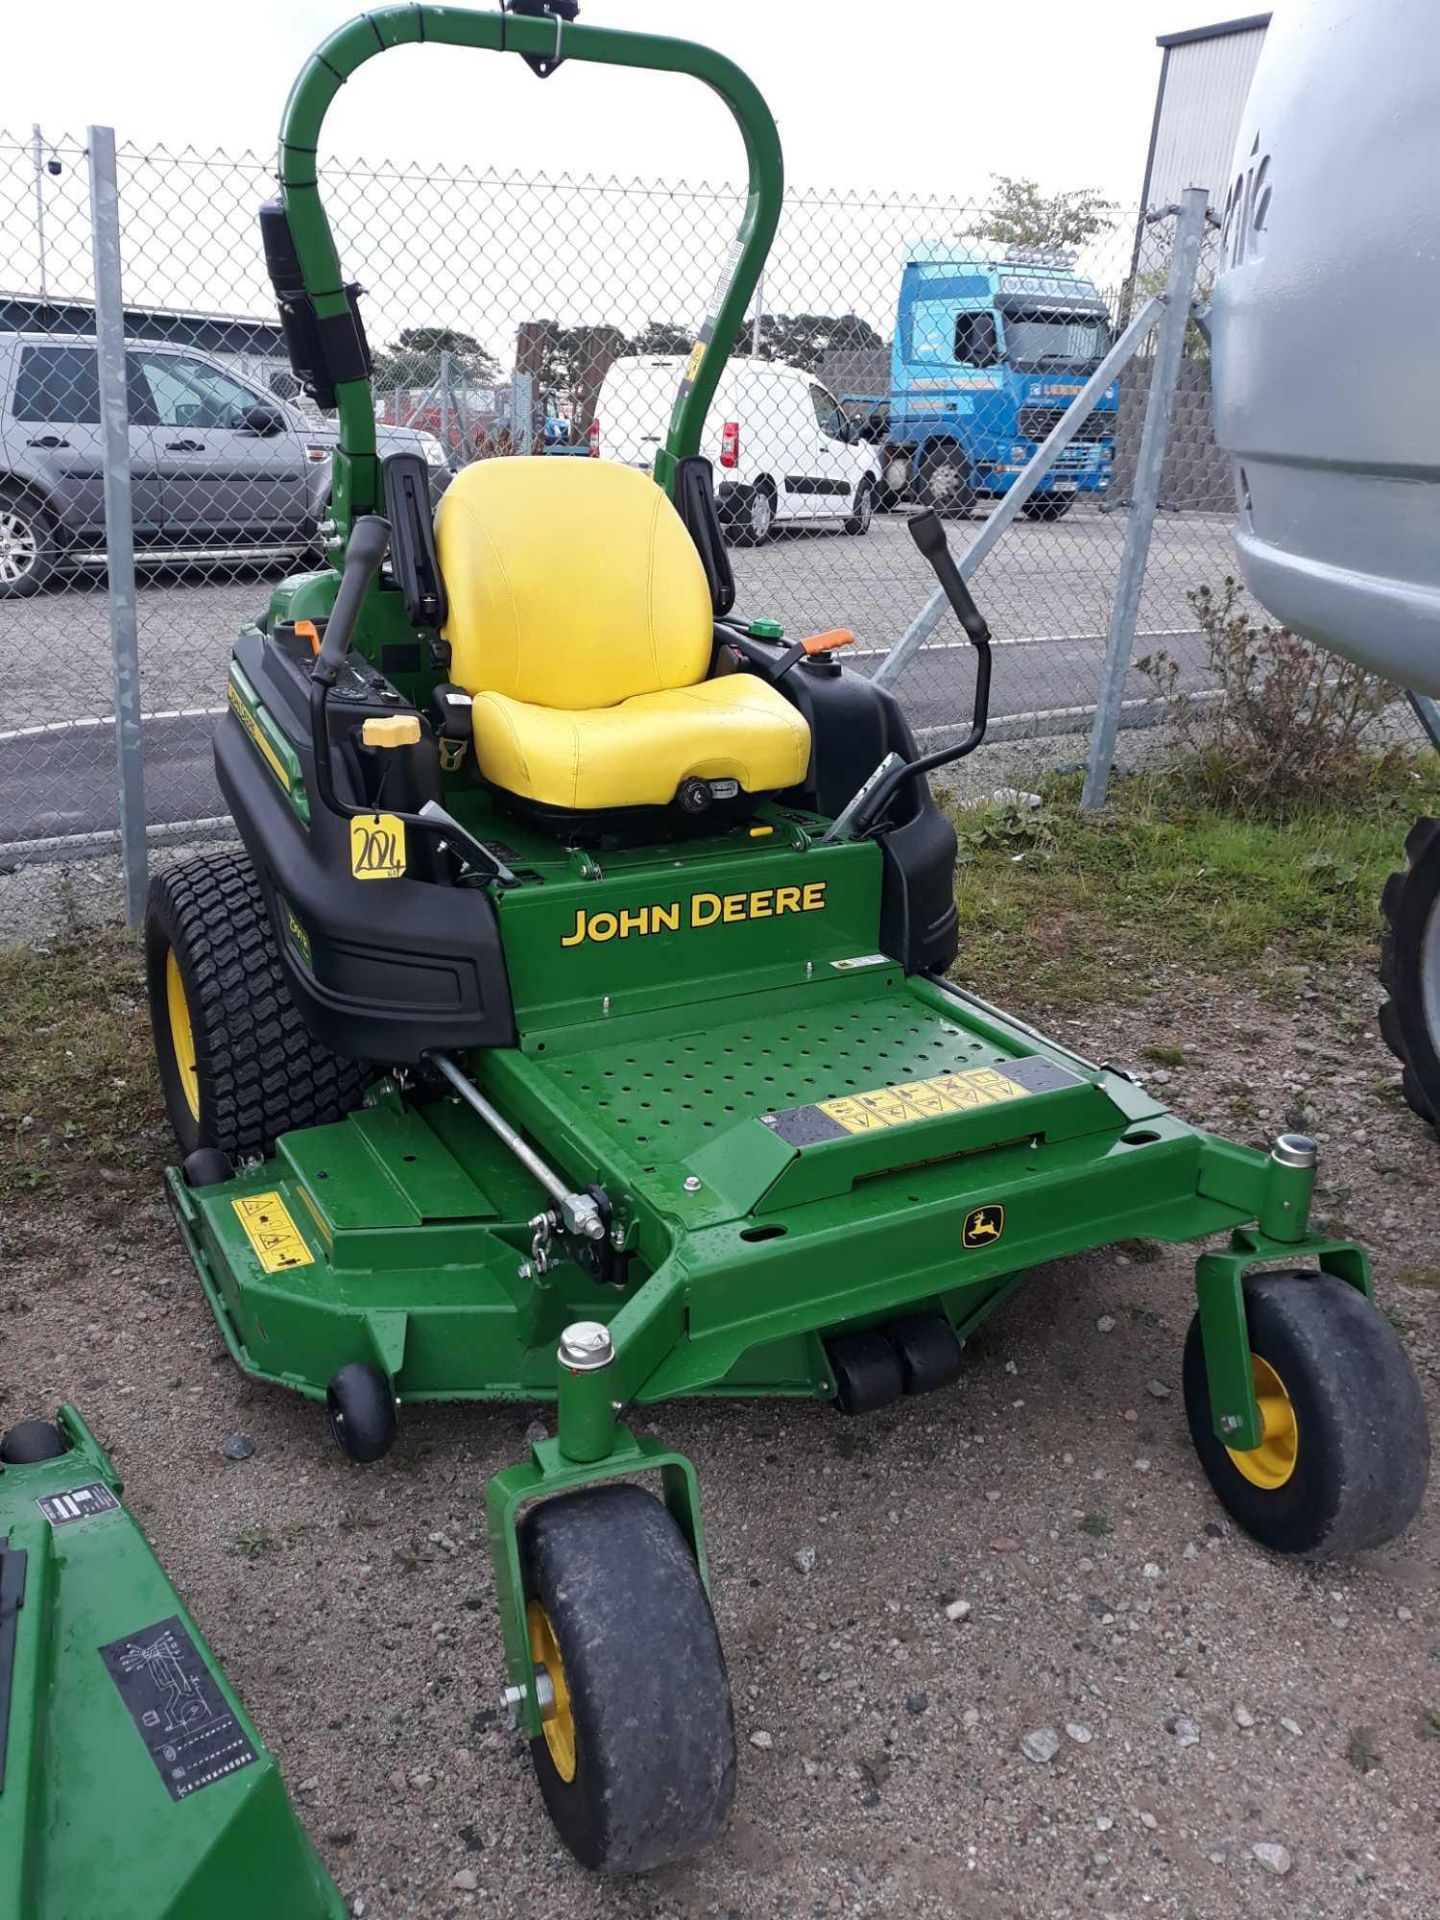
x: 413, y: 360
x: 662, y: 336
x: 803, y: 339
x: 1019, y: 214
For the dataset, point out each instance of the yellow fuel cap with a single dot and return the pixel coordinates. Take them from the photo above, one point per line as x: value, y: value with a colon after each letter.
x: 391, y: 730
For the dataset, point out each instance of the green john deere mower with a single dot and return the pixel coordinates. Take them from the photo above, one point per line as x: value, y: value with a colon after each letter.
x: 132, y: 1782
x: 574, y: 1026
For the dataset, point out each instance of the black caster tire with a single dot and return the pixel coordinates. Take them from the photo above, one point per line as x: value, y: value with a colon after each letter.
x: 361, y: 1405
x: 238, y: 1066
x: 637, y: 1763
x: 929, y: 1350
x: 30, y: 1441
x: 867, y: 1369
x: 1346, y: 1451
x: 206, y: 1167
x: 1409, y: 956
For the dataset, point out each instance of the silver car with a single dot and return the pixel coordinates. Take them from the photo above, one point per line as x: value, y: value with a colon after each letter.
x: 217, y: 467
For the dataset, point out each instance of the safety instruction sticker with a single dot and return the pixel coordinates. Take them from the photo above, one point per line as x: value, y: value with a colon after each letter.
x: 77, y: 1503
x: 910, y: 1100
x: 272, y: 1233
x: 189, y: 1731
x: 377, y: 846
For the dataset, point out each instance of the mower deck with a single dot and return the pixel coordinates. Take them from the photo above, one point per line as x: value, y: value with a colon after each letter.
x: 781, y: 1164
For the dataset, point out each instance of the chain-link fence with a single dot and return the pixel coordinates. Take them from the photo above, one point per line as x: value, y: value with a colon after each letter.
x: 902, y: 349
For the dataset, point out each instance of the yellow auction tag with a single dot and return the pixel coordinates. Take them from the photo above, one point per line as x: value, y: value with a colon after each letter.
x: 377, y: 846
x: 272, y: 1233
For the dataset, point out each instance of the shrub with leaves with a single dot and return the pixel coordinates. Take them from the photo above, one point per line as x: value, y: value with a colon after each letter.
x: 1287, y: 721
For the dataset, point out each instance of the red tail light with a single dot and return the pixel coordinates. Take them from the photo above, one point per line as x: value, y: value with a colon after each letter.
x: 592, y: 439
x: 730, y: 444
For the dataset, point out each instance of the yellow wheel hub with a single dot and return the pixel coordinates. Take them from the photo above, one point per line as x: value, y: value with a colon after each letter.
x: 559, y: 1725
x: 182, y: 1034
x: 1270, y: 1464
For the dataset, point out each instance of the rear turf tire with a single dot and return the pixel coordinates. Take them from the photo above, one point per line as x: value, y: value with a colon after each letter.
x: 1410, y: 969
x: 238, y: 1066
x: 1358, y: 1434
x: 637, y: 1767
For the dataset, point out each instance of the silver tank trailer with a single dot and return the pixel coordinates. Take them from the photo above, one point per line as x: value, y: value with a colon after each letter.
x: 1326, y: 330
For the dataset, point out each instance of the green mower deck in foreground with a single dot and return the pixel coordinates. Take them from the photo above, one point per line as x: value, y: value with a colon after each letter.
x: 133, y: 1784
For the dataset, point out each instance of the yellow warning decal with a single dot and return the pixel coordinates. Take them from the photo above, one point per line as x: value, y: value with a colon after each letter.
x: 923, y: 1099
x: 377, y: 846
x: 692, y: 365
x: 272, y: 1233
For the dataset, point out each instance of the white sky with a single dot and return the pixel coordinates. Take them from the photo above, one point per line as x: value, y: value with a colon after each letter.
x: 928, y: 95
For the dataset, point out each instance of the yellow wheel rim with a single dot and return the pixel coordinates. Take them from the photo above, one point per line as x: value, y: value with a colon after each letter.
x: 182, y: 1034
x: 1270, y: 1464
x: 559, y: 1727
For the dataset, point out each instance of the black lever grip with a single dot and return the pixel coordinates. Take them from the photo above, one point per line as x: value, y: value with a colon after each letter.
x: 369, y: 537
x: 927, y: 530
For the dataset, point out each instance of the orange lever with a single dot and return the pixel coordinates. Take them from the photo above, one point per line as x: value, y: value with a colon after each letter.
x: 824, y: 642
x: 306, y: 630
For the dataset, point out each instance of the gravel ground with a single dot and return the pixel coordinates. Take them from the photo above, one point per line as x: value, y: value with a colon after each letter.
x: 1201, y: 1698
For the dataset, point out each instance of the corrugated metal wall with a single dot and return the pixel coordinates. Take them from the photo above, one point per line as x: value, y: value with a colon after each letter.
x: 1204, y: 88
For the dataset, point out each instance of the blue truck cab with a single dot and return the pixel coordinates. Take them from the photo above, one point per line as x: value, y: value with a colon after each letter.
x: 987, y: 354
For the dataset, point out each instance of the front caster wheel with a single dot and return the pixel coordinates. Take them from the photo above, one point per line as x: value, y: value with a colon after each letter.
x: 637, y: 1759
x: 868, y: 1371
x: 1345, y: 1451
x: 361, y: 1405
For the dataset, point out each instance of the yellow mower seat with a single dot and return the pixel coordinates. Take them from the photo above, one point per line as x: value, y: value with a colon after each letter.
x: 580, y: 619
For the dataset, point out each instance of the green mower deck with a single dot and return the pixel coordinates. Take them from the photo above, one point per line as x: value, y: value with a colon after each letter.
x: 133, y: 1784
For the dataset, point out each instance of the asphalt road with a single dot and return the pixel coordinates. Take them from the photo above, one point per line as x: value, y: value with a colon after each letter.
x: 1045, y: 590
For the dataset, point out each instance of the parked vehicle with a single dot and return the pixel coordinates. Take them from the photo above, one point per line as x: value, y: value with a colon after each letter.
x: 216, y: 465
x: 986, y: 356
x: 782, y: 449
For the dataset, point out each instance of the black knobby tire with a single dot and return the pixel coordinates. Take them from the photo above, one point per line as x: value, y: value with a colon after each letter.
x: 859, y: 520
x: 361, y: 1404
x: 258, y: 1070
x: 28, y: 539
x: 1410, y: 1015
x: 1363, y: 1448
x: 29, y: 1441
x: 867, y: 1370
x: 945, y: 481
x: 649, y: 1698
x: 1048, y: 506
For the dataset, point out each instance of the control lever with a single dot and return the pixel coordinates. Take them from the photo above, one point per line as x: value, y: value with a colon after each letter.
x: 365, y: 549
x: 867, y: 807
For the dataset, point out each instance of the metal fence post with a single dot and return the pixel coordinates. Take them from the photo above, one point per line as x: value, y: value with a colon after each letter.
x: 1169, y: 346
x: 119, y: 523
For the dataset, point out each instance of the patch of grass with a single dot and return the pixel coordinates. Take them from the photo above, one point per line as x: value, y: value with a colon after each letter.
x: 1096, y: 1525
x: 1163, y: 1056
x: 1056, y: 908
x: 79, y: 1100
x: 1428, y: 1725
x: 255, y: 1542
x: 1362, y: 1752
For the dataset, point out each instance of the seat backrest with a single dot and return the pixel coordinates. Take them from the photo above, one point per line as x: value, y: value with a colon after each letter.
x: 572, y: 583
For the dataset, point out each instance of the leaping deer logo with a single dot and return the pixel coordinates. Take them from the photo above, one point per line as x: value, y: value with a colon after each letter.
x: 982, y: 1226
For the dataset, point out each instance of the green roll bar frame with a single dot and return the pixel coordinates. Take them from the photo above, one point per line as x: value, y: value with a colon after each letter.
x: 356, y: 485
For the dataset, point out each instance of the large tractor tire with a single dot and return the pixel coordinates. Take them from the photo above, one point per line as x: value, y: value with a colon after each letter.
x: 1410, y: 968
x: 238, y: 1065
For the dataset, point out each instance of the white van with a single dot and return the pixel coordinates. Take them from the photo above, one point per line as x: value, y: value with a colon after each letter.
x: 783, y: 453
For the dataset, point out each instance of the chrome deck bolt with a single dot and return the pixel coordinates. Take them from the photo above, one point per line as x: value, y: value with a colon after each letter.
x: 692, y: 1183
